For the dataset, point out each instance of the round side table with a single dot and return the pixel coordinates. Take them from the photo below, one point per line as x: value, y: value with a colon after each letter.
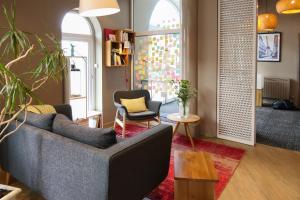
x: 186, y: 121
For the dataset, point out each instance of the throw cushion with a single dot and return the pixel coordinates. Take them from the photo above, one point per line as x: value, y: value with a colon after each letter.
x: 40, y: 109
x: 134, y: 105
x: 42, y: 121
x: 97, y: 137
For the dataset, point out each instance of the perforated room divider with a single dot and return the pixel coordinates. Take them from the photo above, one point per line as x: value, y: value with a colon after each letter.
x: 237, y: 70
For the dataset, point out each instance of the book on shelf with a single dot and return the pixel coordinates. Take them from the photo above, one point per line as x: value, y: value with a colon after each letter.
x: 118, y: 60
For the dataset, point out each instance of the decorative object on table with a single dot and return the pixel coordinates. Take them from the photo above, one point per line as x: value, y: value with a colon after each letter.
x: 226, y: 159
x: 267, y: 21
x: 269, y: 47
x: 93, y: 8
x: 184, y: 92
x: 288, y: 6
x: 151, y: 114
x: 195, y: 176
x: 119, y: 49
x: 8, y: 192
x: 72, y: 49
x: 186, y: 121
x: 15, y: 44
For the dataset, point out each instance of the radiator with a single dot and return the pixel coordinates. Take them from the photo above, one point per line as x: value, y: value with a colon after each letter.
x: 277, y: 88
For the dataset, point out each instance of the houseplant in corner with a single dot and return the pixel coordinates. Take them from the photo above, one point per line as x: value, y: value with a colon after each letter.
x: 15, y: 48
x: 184, y: 92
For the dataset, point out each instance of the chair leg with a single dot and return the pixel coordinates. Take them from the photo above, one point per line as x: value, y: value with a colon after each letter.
x: 159, y: 121
x: 124, y: 125
x: 115, y: 123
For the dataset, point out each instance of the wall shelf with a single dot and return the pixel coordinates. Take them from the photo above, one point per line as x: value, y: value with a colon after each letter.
x: 119, y: 53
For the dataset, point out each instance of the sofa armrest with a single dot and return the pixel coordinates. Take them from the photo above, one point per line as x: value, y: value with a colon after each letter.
x: 154, y: 106
x: 139, y: 162
x: 65, y: 109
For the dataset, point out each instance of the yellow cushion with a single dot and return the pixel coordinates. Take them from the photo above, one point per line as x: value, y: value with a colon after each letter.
x: 134, y: 105
x: 40, y: 109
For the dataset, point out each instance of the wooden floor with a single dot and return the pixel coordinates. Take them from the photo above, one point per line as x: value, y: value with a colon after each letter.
x: 265, y: 173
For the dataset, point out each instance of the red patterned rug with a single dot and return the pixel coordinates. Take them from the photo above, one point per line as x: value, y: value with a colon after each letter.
x: 226, y: 160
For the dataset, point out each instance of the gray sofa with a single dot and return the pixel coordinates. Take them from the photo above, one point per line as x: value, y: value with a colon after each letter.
x: 63, y: 169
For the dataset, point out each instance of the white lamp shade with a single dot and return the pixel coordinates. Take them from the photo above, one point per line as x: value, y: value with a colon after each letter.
x: 94, y: 8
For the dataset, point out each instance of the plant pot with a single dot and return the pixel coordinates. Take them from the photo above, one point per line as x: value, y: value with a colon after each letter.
x: 184, y: 110
x: 9, y: 192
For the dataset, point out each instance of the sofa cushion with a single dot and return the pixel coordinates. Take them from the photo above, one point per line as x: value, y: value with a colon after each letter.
x: 100, y: 138
x: 42, y: 121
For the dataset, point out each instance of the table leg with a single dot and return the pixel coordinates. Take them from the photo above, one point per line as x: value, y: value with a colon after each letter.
x: 188, y: 132
x: 176, y: 127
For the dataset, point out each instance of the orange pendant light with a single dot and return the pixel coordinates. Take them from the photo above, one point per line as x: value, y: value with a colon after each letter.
x: 267, y: 22
x: 288, y: 6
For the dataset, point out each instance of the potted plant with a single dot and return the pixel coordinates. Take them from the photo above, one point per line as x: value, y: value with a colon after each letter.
x: 15, y: 48
x: 184, y: 92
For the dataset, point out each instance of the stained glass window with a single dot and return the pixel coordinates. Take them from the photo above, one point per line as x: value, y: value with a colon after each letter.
x: 164, y: 16
x: 157, y: 58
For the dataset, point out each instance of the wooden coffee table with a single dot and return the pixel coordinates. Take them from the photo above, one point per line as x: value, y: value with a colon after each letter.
x: 195, y: 176
x: 186, y: 121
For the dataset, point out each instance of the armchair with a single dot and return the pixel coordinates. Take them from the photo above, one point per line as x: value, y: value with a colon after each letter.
x: 152, y: 114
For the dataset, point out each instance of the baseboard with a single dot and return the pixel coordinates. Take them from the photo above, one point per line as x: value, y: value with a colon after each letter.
x: 108, y: 124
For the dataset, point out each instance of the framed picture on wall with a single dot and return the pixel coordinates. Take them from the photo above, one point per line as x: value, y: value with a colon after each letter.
x: 269, y: 47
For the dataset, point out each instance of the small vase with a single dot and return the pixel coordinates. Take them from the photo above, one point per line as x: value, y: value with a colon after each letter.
x: 184, y: 110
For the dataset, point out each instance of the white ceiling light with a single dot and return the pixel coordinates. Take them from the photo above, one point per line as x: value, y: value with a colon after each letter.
x: 94, y: 8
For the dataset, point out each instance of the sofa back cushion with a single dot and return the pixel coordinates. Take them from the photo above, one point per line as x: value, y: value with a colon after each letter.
x: 100, y: 138
x: 42, y: 121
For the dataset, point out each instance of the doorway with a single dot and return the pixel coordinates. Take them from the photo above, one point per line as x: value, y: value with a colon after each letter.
x: 278, y: 75
x: 78, y: 42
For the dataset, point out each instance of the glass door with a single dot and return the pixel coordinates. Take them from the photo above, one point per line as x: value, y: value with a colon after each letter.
x: 78, y: 54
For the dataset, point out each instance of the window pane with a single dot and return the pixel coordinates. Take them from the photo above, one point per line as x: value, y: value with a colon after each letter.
x: 157, y: 61
x: 74, y: 23
x: 152, y: 15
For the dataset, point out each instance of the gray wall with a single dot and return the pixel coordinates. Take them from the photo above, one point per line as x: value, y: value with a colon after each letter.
x: 289, y: 25
x: 207, y: 66
x: 33, y: 17
x: 45, y: 16
x: 114, y: 78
